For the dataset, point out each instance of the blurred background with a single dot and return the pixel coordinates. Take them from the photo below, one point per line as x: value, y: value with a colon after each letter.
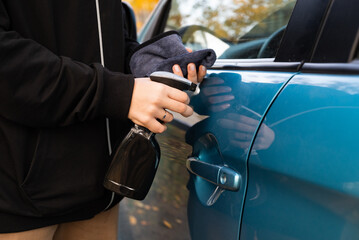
x: 142, y: 10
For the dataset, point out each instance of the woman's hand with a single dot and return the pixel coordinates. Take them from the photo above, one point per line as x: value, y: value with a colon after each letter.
x: 149, y: 101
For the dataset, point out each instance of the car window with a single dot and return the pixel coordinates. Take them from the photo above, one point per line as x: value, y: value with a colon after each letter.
x: 331, y: 45
x: 233, y: 28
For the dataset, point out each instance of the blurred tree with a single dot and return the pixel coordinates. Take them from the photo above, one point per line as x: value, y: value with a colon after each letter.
x: 229, y: 19
x: 142, y: 10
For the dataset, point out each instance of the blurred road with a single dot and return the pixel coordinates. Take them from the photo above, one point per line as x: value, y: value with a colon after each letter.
x: 163, y: 213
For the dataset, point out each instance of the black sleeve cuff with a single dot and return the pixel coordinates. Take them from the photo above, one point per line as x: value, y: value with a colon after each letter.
x: 117, y: 94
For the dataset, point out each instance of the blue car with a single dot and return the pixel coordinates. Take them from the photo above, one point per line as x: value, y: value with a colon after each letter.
x: 273, y: 149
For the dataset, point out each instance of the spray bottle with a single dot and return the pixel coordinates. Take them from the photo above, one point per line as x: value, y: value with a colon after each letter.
x: 135, y: 160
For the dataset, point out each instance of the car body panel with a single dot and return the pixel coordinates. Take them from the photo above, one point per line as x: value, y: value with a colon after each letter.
x: 305, y: 185
x: 223, y: 139
x: 295, y: 111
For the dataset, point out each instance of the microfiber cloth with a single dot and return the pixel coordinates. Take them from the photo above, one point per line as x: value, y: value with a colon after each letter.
x: 164, y: 51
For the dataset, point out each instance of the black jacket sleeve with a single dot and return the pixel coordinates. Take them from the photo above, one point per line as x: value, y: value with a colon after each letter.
x: 40, y: 89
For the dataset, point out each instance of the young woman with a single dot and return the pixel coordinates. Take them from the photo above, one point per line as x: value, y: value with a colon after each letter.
x: 63, y: 74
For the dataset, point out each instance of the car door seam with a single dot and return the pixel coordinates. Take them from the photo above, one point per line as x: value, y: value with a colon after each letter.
x: 251, y: 146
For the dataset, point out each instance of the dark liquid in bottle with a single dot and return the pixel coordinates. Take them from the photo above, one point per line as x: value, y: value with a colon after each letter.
x: 134, y: 166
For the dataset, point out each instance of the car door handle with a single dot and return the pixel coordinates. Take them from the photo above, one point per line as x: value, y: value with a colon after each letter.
x: 221, y: 176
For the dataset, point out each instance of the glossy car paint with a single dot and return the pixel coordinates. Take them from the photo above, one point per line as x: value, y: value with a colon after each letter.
x: 301, y: 179
x: 305, y: 185
x: 223, y: 139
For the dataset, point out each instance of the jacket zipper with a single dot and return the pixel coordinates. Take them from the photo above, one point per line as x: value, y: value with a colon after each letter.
x: 103, y: 64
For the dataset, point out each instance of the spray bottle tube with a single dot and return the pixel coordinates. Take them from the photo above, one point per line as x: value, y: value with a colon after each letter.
x: 135, y: 160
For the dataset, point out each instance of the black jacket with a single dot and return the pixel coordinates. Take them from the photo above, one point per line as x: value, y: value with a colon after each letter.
x: 54, y: 99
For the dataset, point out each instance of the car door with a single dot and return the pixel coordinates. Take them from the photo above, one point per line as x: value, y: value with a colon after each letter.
x: 254, y: 64
x: 221, y: 142
x: 305, y: 184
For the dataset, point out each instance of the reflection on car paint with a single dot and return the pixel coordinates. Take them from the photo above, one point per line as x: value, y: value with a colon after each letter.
x: 234, y: 103
x: 310, y: 172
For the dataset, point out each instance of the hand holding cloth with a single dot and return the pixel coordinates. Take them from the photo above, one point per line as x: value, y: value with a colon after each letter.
x: 164, y: 51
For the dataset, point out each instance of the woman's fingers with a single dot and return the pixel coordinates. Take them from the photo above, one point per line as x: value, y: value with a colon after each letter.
x: 192, y: 75
x: 177, y: 70
x: 178, y: 107
x: 178, y: 95
x: 155, y: 126
x: 149, y: 101
x: 201, y: 73
x: 178, y: 102
x: 164, y: 116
